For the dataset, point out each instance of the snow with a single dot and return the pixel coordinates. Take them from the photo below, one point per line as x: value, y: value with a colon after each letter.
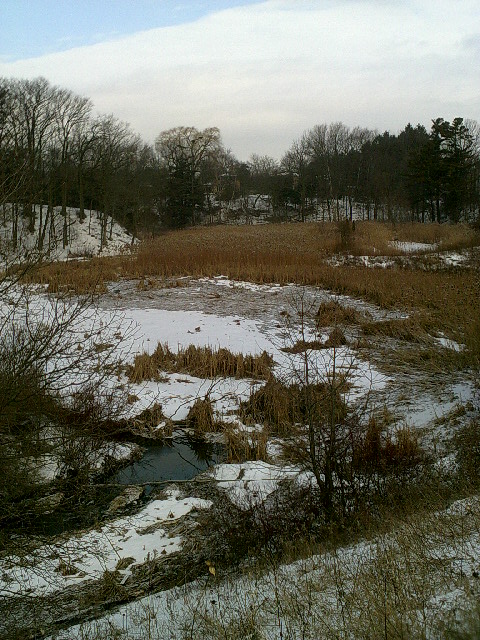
x: 413, y: 247
x: 180, y: 391
x: 454, y: 259
x: 87, y: 556
x: 375, y: 261
x: 434, y: 408
x: 249, y: 483
x: 182, y: 328
x: 84, y: 237
x: 324, y: 595
x: 224, y: 281
x: 447, y: 343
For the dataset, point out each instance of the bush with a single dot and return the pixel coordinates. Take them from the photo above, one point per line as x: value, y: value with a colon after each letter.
x: 467, y: 444
x: 258, y: 526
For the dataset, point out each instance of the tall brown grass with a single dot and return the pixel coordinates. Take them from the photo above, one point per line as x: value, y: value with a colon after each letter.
x: 246, y: 445
x: 285, y: 253
x: 199, y: 361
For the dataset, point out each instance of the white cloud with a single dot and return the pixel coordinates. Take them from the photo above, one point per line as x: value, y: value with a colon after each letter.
x: 264, y: 73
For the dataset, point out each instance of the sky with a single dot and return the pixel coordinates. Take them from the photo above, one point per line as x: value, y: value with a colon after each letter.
x: 263, y: 71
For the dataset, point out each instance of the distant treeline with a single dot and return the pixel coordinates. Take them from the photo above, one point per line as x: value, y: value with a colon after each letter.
x: 55, y: 151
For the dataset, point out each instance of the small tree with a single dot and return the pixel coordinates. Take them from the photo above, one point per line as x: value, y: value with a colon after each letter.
x: 330, y: 428
x: 337, y: 440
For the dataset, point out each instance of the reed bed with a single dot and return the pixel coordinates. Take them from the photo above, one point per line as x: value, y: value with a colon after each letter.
x: 204, y: 362
x: 298, y: 253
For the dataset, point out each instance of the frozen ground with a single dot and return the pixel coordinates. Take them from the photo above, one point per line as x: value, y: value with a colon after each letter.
x: 87, y: 556
x: 244, y: 318
x: 428, y: 583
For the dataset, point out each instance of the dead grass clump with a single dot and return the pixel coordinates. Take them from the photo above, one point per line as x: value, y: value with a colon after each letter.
x: 304, y: 345
x: 146, y: 284
x: 110, y: 587
x: 151, y: 423
x: 246, y: 445
x: 283, y: 407
x: 203, y: 362
x: 333, y: 313
x: 336, y: 338
x: 200, y: 417
x: 144, y: 367
x: 407, y: 329
x: 383, y: 452
x: 275, y: 405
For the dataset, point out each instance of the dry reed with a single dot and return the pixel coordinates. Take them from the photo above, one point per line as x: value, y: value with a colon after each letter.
x: 246, y: 445
x: 297, y: 253
x: 203, y: 362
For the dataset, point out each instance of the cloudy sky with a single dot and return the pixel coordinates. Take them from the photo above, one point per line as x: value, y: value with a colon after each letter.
x: 263, y: 71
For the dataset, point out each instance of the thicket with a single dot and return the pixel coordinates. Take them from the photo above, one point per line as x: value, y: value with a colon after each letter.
x: 54, y: 399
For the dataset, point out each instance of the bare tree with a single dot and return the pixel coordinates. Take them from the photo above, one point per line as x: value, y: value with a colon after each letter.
x: 184, y: 152
x: 71, y: 113
x: 114, y: 148
x: 297, y: 162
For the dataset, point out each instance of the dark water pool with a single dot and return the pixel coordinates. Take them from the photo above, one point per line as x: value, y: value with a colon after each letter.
x: 183, y: 459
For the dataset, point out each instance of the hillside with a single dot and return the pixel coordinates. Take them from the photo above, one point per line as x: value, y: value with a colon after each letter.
x: 59, y: 237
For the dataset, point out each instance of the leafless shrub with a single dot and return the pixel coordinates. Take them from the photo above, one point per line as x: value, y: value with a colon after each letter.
x: 346, y: 231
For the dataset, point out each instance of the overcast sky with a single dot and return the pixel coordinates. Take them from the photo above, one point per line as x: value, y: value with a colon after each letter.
x: 261, y: 71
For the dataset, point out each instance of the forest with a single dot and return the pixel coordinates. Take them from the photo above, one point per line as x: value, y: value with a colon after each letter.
x: 56, y: 152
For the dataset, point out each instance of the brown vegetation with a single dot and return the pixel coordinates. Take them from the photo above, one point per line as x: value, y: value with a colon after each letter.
x: 333, y: 313
x: 297, y: 253
x: 245, y: 445
x: 200, y: 417
x: 204, y: 362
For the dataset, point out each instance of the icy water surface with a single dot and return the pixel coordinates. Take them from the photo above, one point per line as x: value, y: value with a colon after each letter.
x: 181, y: 460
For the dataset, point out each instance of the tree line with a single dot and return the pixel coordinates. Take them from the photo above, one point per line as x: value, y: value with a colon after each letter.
x: 55, y: 152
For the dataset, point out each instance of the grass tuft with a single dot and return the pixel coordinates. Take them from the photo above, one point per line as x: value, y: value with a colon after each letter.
x: 203, y: 362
